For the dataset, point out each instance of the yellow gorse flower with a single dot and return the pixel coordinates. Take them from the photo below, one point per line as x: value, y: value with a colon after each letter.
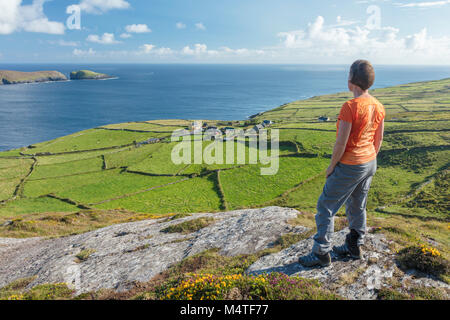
x: 206, y: 286
x: 430, y: 251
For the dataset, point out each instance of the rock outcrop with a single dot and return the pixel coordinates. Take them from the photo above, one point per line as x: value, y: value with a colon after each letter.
x: 18, y: 77
x: 353, y: 279
x: 116, y: 256
x: 138, y: 251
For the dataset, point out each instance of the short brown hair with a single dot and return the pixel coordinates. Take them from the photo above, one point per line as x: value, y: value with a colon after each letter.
x: 362, y: 74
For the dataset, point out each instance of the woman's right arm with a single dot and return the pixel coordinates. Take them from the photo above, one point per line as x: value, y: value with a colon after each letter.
x: 379, y: 137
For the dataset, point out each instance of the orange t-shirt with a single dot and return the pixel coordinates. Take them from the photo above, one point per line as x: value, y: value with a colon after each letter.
x: 365, y: 114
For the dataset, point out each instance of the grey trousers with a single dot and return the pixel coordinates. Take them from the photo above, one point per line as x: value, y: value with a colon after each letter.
x: 349, y: 185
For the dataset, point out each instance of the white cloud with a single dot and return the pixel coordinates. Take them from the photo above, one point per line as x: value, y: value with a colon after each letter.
x: 427, y: 4
x: 180, y: 25
x: 418, y: 41
x: 200, y: 26
x: 201, y: 51
x: 197, y: 50
x: 64, y: 43
x: 243, y: 52
x: 138, y: 28
x: 164, y: 51
x: 331, y: 44
x: 147, y: 48
x: 31, y: 18
x: 187, y: 51
x: 125, y: 35
x: 342, y: 22
x: 83, y: 53
x: 151, y: 52
x: 102, y: 6
x: 106, y: 38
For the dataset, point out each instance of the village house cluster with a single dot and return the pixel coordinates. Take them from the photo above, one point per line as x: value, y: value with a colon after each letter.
x: 227, y: 133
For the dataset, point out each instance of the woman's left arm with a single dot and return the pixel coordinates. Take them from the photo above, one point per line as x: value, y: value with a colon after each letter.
x: 339, y: 147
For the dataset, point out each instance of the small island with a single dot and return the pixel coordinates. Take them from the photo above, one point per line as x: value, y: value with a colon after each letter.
x: 88, y: 75
x: 17, y: 77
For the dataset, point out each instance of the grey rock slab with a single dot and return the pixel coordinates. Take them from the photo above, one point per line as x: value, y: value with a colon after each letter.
x: 353, y: 279
x: 137, y: 251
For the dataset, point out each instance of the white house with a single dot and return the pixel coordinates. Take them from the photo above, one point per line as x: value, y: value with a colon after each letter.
x: 196, y: 125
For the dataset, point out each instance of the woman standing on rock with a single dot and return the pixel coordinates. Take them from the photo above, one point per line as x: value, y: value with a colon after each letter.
x: 360, y: 129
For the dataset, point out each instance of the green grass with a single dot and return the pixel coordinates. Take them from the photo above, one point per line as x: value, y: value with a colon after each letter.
x: 310, y: 141
x: 89, y: 140
x: 60, y: 224
x: 84, y: 254
x: 306, y: 196
x: 96, y: 187
x: 189, y: 226
x: 160, y: 162
x: 10, y: 153
x: 35, y: 205
x: 87, y: 74
x: 36, y: 188
x: 11, y: 163
x: 114, y: 186
x: 7, y: 188
x: 415, y: 140
x: 66, y: 168
x: 144, y: 126
x: 11, y: 77
x: 194, y: 195
x: 14, y: 172
x: 254, y: 189
x: 44, y: 160
x: 18, y: 290
x: 131, y: 156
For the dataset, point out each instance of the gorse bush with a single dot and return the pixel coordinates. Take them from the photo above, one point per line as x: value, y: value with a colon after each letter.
x: 206, y: 287
x: 274, y: 286
x: 425, y: 259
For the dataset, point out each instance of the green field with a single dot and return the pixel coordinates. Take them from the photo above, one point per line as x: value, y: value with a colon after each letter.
x: 107, y: 168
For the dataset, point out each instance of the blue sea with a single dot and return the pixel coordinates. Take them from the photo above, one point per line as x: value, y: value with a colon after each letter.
x: 32, y: 113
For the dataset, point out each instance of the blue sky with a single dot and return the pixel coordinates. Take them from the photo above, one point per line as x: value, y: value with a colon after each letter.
x: 226, y: 31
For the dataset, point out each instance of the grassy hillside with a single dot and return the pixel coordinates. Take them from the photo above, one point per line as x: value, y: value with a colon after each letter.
x: 87, y: 75
x: 15, y: 77
x: 102, y: 176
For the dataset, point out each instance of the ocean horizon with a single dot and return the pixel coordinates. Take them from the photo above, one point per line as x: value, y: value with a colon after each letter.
x: 33, y: 113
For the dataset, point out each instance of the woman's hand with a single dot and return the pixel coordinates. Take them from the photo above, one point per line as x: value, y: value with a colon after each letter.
x: 330, y: 170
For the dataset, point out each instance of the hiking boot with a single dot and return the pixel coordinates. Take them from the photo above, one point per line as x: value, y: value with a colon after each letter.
x: 314, y: 259
x: 350, y: 247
